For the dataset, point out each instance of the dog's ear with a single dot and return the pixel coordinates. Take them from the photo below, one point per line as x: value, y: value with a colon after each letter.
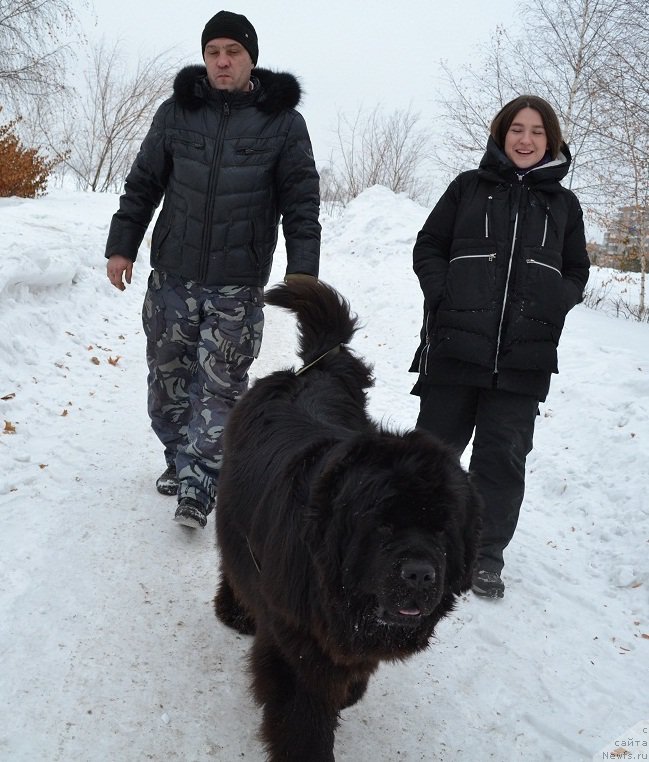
x: 326, y: 491
x: 435, y: 471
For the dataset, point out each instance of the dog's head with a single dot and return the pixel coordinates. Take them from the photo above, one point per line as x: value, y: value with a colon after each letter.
x: 396, y: 533
x: 404, y: 570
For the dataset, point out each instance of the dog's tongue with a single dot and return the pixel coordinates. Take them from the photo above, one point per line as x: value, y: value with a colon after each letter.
x: 409, y: 612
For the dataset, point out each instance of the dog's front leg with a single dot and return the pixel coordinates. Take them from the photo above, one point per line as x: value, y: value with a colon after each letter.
x: 298, y: 723
x: 230, y: 611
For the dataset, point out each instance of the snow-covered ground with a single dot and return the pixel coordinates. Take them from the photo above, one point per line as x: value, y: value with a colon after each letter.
x: 109, y: 649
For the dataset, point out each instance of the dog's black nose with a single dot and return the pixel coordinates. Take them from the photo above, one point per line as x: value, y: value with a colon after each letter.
x: 418, y: 574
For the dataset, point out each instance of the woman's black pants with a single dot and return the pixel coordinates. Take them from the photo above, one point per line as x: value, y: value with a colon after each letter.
x: 502, y: 425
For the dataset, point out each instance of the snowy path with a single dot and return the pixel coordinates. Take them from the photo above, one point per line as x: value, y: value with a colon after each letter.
x: 108, y: 644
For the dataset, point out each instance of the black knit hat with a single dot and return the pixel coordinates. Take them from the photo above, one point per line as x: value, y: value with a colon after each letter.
x: 234, y: 26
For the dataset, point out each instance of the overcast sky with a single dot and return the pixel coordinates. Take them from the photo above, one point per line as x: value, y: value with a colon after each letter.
x: 347, y: 53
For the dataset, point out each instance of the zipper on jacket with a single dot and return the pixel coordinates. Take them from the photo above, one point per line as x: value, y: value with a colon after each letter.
x: 543, y: 264
x: 486, y: 217
x: 545, y: 227
x: 209, y: 200
x: 423, y: 359
x: 490, y: 257
x: 251, y: 151
x: 509, y: 272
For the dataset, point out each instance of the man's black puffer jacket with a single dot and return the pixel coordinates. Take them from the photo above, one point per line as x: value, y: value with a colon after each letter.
x: 500, y: 260
x: 228, y: 165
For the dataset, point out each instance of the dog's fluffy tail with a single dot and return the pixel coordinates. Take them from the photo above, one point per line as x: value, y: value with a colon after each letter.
x: 324, y: 319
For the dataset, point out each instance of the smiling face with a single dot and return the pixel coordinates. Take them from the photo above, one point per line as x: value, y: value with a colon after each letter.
x: 228, y: 64
x: 526, y: 141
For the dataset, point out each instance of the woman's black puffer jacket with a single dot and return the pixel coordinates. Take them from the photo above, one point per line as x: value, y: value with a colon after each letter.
x: 228, y: 165
x: 501, y: 259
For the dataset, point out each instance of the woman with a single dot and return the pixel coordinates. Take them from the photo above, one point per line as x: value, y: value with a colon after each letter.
x: 501, y: 259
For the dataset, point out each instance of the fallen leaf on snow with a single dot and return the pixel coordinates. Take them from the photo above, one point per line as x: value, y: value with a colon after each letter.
x: 114, y: 360
x: 95, y: 360
x: 9, y: 396
x: 9, y: 428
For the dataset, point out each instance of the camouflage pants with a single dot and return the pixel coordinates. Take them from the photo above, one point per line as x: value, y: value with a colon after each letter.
x: 200, y: 344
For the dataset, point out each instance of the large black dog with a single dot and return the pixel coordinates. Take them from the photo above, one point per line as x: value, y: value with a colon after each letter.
x: 342, y: 544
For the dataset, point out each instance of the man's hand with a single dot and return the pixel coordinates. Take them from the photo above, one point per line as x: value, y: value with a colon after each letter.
x: 117, y: 267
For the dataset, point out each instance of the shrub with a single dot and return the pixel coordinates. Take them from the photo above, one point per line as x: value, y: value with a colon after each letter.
x: 23, y: 172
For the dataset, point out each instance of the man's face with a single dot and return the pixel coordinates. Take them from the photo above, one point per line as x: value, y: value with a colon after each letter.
x: 228, y: 64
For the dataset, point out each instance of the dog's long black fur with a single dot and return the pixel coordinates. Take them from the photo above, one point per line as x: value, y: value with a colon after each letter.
x: 342, y: 543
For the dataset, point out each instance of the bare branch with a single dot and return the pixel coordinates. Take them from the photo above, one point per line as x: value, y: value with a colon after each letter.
x: 375, y: 149
x: 35, y: 38
x: 108, y: 118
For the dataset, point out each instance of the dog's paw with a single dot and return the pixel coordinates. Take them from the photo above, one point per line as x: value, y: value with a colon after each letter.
x: 231, y: 612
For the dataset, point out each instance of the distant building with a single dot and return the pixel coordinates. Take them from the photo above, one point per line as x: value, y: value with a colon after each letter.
x: 598, y: 255
x: 626, y: 238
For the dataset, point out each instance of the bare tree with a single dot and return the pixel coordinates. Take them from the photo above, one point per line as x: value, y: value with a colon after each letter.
x: 34, y: 42
x: 375, y: 149
x: 108, y: 118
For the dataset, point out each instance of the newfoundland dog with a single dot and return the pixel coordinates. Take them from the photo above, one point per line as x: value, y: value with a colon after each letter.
x: 342, y: 544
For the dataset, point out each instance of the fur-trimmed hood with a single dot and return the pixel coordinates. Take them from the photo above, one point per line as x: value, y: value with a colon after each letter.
x: 273, y: 91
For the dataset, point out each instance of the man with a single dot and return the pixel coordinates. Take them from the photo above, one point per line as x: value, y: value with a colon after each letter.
x: 229, y: 154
